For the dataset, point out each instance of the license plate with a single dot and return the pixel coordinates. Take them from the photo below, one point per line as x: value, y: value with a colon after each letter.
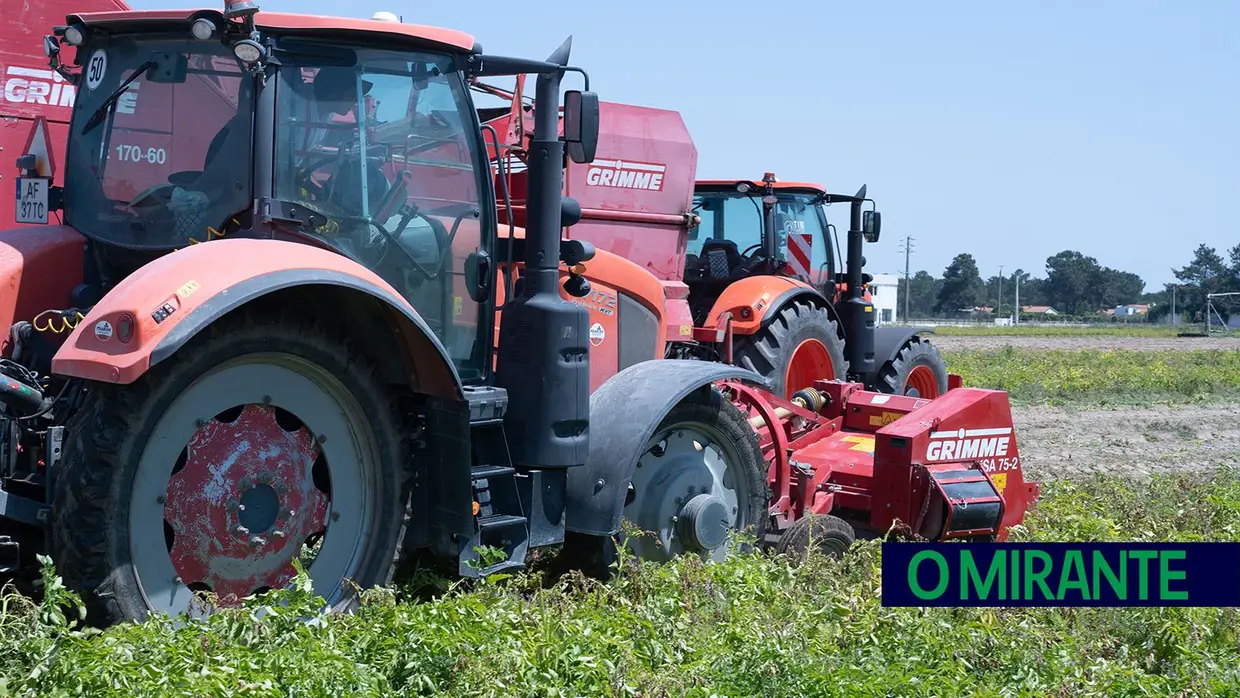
x: 32, y: 199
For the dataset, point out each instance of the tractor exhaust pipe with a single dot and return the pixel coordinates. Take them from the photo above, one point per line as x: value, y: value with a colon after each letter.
x: 544, y: 353
x: 856, y: 312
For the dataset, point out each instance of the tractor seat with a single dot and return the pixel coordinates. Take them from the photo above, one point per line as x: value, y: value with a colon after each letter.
x: 720, y: 259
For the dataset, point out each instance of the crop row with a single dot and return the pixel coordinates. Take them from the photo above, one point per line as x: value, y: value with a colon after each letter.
x: 1100, y: 375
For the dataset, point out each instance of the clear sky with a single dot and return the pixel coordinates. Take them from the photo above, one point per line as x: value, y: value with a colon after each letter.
x: 1009, y: 130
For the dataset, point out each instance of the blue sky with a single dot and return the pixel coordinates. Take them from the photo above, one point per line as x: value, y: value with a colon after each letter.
x: 1009, y: 130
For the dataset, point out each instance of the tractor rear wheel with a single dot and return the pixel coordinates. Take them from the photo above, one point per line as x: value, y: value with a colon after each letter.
x: 700, y: 479
x: 918, y: 371
x: 258, y: 443
x: 831, y: 534
x: 801, y: 344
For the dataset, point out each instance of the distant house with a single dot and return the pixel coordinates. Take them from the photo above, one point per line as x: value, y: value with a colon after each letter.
x: 1038, y: 310
x: 1131, y: 310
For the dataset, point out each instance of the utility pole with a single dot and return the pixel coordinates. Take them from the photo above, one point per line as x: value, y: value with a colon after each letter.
x: 1016, y: 310
x: 1175, y: 320
x: 908, y: 288
x: 999, y: 305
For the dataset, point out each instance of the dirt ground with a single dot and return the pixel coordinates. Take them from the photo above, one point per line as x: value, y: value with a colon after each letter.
x: 1058, y: 442
x: 949, y: 343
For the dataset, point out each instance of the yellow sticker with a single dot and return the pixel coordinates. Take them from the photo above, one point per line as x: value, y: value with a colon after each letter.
x: 869, y: 308
x: 864, y: 444
x: 686, y: 330
x: 884, y: 419
x: 188, y: 289
x: 457, y: 305
x: 1000, y: 480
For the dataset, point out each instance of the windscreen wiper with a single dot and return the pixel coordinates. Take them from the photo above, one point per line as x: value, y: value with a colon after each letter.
x: 106, y: 108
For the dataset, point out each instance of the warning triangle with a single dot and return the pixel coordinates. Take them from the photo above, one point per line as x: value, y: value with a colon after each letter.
x: 40, y: 145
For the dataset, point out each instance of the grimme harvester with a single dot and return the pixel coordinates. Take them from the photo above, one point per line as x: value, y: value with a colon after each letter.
x: 268, y: 328
x: 736, y: 268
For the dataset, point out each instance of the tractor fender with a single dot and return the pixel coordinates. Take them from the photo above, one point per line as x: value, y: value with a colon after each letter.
x: 153, y: 312
x: 889, y: 340
x: 754, y: 302
x: 625, y: 411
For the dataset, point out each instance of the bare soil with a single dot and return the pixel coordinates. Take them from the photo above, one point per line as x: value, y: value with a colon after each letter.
x: 951, y: 343
x: 1066, y: 442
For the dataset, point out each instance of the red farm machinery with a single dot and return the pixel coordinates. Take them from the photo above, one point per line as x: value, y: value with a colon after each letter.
x: 293, y: 295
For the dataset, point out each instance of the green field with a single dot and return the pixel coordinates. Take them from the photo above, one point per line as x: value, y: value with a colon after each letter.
x: 757, y: 625
x: 1100, y: 376
x: 1108, y: 330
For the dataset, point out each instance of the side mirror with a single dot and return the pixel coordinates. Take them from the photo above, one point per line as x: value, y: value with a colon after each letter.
x: 581, y: 124
x: 51, y: 46
x: 871, y: 224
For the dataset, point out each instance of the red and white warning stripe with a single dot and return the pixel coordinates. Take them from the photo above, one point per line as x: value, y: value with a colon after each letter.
x: 799, y: 251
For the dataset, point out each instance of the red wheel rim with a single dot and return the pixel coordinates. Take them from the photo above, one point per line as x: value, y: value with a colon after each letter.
x: 810, y: 362
x: 217, y: 538
x: 921, y: 379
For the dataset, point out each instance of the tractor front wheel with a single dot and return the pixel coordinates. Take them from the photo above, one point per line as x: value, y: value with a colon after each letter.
x: 700, y: 479
x: 801, y: 344
x: 259, y: 443
x: 917, y: 371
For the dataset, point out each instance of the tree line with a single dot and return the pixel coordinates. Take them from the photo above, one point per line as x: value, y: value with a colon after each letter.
x: 1075, y: 285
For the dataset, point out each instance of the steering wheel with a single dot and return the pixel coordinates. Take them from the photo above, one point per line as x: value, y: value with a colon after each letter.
x: 177, y: 179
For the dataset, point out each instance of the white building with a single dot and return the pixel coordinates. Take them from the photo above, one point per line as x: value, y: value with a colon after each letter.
x: 885, y: 292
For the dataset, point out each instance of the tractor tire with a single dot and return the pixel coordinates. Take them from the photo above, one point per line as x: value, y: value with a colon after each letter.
x: 800, y: 345
x: 203, y: 476
x: 918, y: 370
x: 831, y: 534
x: 676, y: 497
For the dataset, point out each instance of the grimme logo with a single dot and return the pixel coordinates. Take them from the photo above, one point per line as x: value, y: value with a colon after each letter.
x: 623, y: 174
x: 33, y: 86
x: 1061, y: 574
x: 48, y: 88
x: 961, y: 444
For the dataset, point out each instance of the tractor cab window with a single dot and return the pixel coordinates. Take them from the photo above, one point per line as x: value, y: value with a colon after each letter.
x: 801, y: 236
x: 385, y: 153
x: 730, y: 233
x: 159, y: 154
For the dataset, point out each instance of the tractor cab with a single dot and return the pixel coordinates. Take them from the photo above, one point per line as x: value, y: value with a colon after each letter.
x: 363, y: 142
x: 763, y: 228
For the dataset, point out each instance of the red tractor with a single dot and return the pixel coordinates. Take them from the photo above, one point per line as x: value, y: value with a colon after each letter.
x: 755, y: 234
x: 294, y: 307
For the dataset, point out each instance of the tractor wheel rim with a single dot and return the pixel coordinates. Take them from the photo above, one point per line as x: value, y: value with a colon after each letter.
x: 810, y: 362
x: 686, y: 497
x: 921, y: 383
x: 230, y: 472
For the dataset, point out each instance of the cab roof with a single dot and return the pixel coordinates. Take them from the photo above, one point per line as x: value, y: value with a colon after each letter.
x: 447, y: 38
x: 759, y: 184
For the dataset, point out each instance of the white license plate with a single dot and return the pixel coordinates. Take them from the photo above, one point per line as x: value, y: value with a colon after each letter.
x: 32, y: 199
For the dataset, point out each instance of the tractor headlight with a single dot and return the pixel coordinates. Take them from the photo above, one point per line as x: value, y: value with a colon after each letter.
x: 75, y: 35
x: 248, y: 51
x: 202, y: 29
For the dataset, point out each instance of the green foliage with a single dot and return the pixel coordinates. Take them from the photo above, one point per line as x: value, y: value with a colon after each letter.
x: 756, y: 625
x: 1110, y: 329
x: 1092, y: 375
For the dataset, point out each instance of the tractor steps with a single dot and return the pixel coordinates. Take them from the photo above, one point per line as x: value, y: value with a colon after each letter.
x: 500, y: 520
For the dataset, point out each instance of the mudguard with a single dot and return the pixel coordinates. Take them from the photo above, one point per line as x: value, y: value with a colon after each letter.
x: 889, y: 340
x: 155, y: 311
x: 39, y: 266
x: 624, y: 413
x: 754, y: 302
